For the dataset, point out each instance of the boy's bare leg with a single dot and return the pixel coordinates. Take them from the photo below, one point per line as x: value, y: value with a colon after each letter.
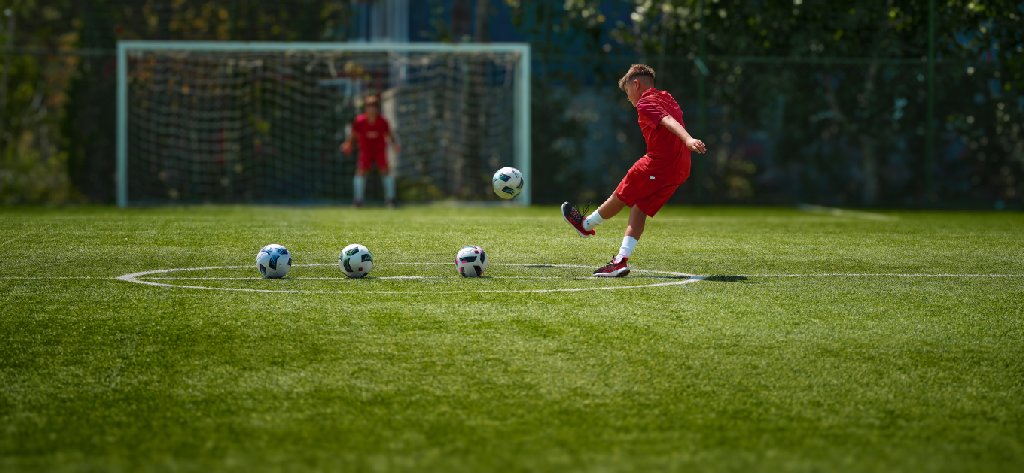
x: 619, y: 265
x: 637, y: 220
x: 585, y: 225
x: 611, y: 207
x: 608, y: 209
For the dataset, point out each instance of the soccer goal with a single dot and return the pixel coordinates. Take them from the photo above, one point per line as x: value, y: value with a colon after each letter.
x: 262, y: 122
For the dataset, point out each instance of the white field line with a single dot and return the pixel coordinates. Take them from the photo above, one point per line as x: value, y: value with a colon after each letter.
x: 151, y: 278
x: 883, y: 275
x: 144, y: 277
x: 837, y: 212
x: 17, y: 237
x: 254, y: 278
x: 341, y: 278
x: 55, y: 278
x: 146, y: 274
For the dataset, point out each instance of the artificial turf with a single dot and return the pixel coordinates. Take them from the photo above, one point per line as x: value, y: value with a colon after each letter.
x: 813, y: 341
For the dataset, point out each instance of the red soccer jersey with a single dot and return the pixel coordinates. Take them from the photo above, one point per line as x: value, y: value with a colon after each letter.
x: 371, y: 135
x: 663, y: 147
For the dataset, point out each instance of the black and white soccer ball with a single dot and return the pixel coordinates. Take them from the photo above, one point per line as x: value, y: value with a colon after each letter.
x: 508, y: 182
x: 471, y: 261
x: 273, y: 261
x: 355, y: 261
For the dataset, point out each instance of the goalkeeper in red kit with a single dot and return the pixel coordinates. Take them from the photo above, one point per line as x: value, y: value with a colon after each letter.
x: 372, y: 131
x: 652, y: 180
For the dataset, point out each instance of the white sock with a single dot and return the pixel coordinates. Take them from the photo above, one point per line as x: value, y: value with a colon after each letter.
x: 628, y: 244
x: 592, y: 221
x: 358, y: 187
x: 389, y: 187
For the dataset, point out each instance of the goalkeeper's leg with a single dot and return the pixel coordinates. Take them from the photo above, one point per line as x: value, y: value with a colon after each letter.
x: 389, y: 188
x: 358, y: 187
x: 387, y: 179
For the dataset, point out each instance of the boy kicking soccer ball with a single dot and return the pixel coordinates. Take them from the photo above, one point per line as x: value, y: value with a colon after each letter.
x: 654, y: 177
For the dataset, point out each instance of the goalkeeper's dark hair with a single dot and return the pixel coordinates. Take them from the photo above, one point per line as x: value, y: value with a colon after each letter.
x: 636, y: 71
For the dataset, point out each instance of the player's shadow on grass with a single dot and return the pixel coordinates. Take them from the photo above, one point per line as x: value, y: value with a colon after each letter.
x: 726, y: 278
x: 715, y: 278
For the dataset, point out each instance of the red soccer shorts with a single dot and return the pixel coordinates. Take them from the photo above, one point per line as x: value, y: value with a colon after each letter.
x: 649, y: 186
x: 368, y: 160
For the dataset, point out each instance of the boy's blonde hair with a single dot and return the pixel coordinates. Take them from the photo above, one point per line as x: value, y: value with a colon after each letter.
x: 637, y: 70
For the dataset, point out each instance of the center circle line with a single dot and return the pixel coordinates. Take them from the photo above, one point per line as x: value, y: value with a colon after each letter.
x: 151, y: 278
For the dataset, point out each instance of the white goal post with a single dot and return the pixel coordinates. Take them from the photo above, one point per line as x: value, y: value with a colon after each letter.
x: 261, y: 122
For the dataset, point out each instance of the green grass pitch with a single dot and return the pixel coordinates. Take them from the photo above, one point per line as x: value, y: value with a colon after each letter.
x: 817, y: 341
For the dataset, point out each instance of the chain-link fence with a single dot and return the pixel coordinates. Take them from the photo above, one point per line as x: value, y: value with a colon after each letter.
x: 867, y: 127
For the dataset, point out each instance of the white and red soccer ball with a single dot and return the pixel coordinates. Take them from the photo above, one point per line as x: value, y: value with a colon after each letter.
x: 471, y: 261
x: 355, y: 261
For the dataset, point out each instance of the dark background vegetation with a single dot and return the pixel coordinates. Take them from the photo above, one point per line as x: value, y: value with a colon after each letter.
x: 803, y: 101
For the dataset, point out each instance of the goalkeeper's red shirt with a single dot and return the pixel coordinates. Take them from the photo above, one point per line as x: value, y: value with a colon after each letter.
x: 371, y: 135
x: 664, y: 150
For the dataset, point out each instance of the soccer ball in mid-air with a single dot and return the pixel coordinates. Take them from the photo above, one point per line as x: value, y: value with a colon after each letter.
x: 508, y: 182
x: 273, y: 261
x: 355, y: 261
x: 471, y: 261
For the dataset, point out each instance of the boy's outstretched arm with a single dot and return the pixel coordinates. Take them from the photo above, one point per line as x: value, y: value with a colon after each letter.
x: 677, y: 129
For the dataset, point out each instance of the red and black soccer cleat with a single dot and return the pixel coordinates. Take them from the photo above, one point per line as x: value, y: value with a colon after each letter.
x: 616, y: 268
x: 573, y: 216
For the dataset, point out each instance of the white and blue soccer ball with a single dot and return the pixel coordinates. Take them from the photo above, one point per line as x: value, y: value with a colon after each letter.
x: 508, y: 182
x: 355, y: 261
x: 471, y: 261
x: 273, y: 261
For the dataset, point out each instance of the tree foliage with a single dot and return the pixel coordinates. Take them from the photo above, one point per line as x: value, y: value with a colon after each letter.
x: 34, y: 101
x: 799, y: 101
x: 58, y: 112
x: 828, y: 101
